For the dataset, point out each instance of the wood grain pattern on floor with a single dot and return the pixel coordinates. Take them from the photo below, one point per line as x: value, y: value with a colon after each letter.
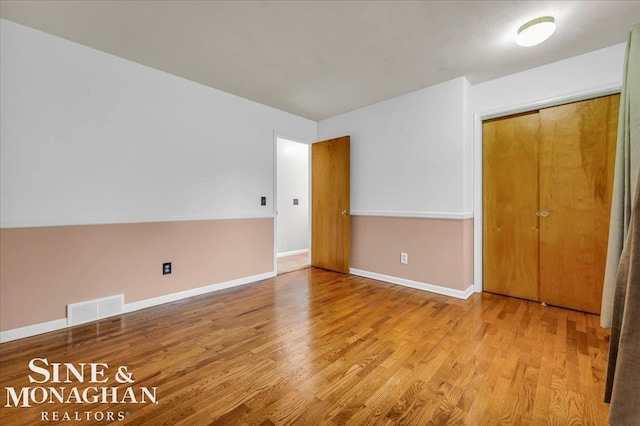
x: 315, y: 347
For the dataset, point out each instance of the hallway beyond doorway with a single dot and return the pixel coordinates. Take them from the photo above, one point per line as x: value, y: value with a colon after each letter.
x: 293, y: 263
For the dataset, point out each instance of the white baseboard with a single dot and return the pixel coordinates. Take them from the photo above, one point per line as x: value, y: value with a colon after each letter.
x: 59, y: 324
x: 458, y: 294
x: 291, y: 253
x: 148, y: 303
x: 32, y: 330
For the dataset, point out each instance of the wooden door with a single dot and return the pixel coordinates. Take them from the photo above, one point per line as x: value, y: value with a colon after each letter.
x: 510, y: 201
x: 330, y: 204
x: 577, y: 156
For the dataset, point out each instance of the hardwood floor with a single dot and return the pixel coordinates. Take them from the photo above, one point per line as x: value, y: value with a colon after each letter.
x: 315, y: 347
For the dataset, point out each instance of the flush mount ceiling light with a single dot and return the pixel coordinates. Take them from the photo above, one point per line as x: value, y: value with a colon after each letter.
x: 536, y: 31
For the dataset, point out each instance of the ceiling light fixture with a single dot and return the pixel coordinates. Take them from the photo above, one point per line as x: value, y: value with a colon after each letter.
x: 535, y: 31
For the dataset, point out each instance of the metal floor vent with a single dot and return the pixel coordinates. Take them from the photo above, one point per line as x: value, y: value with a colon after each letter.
x: 91, y: 310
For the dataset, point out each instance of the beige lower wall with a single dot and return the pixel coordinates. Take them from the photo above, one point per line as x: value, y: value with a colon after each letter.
x: 44, y: 269
x: 467, y: 252
x: 440, y: 250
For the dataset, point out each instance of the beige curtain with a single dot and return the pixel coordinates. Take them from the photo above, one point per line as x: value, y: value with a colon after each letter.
x: 626, y: 171
x: 623, y: 372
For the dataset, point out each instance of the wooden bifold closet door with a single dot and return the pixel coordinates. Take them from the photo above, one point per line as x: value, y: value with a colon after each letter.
x: 547, y: 183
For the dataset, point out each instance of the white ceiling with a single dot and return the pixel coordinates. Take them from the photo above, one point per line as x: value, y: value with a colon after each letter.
x: 318, y: 59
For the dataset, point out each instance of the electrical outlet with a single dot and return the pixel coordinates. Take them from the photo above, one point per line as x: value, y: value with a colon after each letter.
x: 166, y: 268
x: 404, y: 258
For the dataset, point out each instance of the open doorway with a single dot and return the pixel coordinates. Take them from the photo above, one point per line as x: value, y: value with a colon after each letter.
x: 292, y: 205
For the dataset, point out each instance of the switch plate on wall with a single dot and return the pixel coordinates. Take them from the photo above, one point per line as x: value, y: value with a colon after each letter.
x: 263, y: 201
x: 404, y: 258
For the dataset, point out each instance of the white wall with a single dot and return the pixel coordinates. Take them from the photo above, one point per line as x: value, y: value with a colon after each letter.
x: 581, y: 74
x: 408, y: 153
x: 467, y: 139
x: 87, y: 137
x: 293, y: 182
x: 586, y: 75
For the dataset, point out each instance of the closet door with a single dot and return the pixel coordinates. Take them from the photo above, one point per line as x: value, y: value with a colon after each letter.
x: 510, y: 202
x: 577, y: 156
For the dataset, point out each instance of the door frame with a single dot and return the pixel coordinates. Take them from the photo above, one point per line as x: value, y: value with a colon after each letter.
x: 274, y: 211
x: 478, y: 183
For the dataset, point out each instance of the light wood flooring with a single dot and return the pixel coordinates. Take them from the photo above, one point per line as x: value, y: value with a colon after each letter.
x: 314, y: 347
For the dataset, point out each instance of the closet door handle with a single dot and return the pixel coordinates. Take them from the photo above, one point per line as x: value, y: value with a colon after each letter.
x: 542, y: 213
